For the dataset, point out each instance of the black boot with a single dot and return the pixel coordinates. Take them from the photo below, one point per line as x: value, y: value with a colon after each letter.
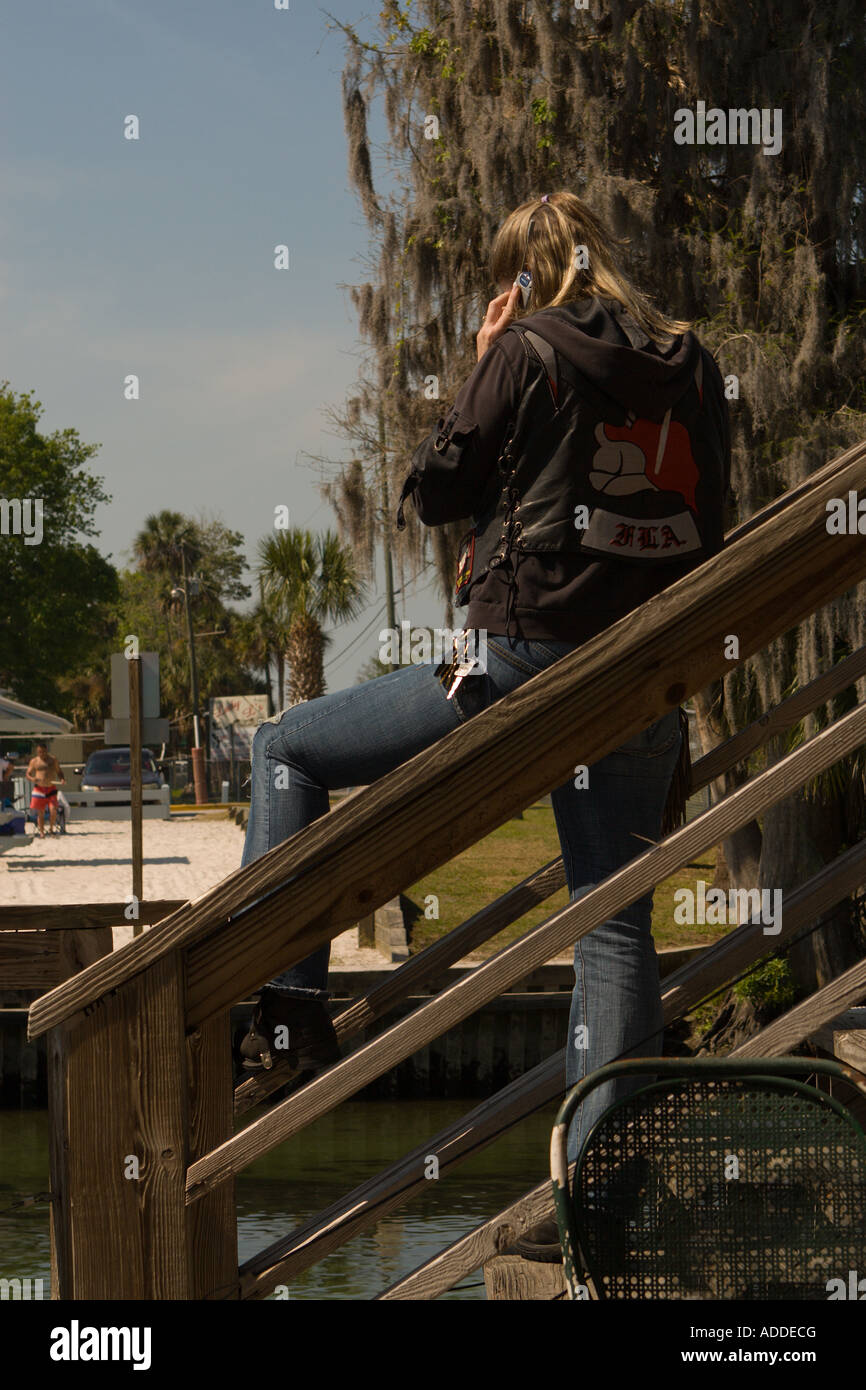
x: 298, y: 1031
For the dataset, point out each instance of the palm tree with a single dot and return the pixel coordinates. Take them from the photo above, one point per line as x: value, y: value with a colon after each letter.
x: 170, y: 544
x: 160, y: 545
x: 308, y: 579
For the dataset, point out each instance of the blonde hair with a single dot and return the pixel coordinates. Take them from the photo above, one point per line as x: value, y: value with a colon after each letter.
x: 558, y: 225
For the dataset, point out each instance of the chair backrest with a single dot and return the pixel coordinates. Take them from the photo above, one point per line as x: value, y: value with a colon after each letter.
x: 722, y: 1188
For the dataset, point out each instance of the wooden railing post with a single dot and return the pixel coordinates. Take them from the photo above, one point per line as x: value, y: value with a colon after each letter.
x: 128, y: 1099
x: 76, y: 950
x: 212, y: 1232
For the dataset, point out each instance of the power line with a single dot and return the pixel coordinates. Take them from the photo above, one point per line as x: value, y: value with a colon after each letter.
x: 421, y: 571
x: 356, y: 638
x: 339, y: 656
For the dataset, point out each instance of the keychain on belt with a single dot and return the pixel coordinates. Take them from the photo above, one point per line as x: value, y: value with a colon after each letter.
x: 462, y: 664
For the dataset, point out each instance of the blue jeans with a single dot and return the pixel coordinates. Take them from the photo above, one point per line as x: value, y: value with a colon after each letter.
x: 353, y: 737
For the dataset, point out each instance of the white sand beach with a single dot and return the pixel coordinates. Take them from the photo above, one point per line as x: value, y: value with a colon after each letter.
x: 183, y: 858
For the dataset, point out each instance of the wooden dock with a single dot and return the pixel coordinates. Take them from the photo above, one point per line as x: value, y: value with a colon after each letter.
x: 144, y: 1151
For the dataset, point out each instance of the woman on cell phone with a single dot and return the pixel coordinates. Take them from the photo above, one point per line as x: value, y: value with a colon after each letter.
x: 590, y: 447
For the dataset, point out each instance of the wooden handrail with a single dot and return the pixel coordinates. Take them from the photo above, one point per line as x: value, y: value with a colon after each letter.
x: 446, y: 1269
x: 83, y: 916
x: 516, y: 960
x: 417, y: 817
x: 545, y: 882
x: 688, y: 986
x: 778, y: 720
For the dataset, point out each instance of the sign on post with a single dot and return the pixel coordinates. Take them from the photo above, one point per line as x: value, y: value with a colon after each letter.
x: 134, y: 718
x: 117, y: 729
x: 134, y: 702
x: 149, y: 685
x: 233, y: 722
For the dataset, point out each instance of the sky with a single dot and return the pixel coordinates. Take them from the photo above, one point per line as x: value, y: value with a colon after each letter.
x: 155, y: 257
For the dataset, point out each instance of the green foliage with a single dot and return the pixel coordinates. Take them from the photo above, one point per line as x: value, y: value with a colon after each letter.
x: 152, y: 606
x: 309, y: 575
x: 212, y: 551
x: 543, y: 116
x: 770, y: 987
x: 58, y: 595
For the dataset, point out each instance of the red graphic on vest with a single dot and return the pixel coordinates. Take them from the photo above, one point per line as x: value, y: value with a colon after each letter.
x: 645, y: 454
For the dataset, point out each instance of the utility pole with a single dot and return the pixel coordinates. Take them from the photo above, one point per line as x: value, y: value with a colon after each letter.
x: 198, y: 770
x: 135, y: 798
x: 386, y: 537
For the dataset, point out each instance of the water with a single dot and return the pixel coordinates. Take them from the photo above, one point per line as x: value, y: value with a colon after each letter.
x: 305, y: 1175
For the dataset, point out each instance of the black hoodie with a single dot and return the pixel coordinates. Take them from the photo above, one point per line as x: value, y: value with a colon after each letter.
x: 564, y: 594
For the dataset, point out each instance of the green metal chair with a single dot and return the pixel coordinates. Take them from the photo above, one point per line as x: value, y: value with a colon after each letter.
x: 719, y: 1179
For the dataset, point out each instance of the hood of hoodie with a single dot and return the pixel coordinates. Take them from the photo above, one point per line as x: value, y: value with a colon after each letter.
x: 644, y: 378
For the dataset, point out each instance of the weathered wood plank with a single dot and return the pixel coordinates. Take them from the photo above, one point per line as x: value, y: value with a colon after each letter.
x: 845, y: 1038
x: 82, y: 916
x: 40, y: 959
x: 212, y: 1240
x: 30, y: 961
x: 693, y: 982
x: 408, y: 823
x: 515, y: 961
x: 79, y: 949
x: 512, y: 1278
x: 74, y: 951
x: 58, y: 1150
x: 122, y: 1101
x: 471, y: 1251
x: 778, y: 720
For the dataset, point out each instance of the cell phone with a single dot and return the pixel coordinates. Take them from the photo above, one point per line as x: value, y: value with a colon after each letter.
x: 524, y: 284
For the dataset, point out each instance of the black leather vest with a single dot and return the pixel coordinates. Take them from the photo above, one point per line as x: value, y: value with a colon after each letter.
x: 579, y: 473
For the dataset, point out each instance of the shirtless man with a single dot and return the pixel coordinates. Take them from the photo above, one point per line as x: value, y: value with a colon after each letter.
x: 43, y: 771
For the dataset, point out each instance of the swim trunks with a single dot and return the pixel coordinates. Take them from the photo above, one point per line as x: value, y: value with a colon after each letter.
x: 42, y: 797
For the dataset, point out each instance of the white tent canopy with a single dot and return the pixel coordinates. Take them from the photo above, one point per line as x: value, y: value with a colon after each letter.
x: 23, y: 720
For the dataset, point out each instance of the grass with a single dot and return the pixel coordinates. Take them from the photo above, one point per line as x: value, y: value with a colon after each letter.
x: 501, y: 860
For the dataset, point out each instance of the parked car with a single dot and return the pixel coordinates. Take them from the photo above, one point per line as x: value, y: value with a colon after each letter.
x: 108, y: 770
